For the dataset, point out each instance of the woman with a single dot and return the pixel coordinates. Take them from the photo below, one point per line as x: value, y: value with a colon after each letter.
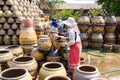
x: 74, y: 42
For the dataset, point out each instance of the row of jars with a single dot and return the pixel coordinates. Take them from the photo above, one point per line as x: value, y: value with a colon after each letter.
x: 9, y: 32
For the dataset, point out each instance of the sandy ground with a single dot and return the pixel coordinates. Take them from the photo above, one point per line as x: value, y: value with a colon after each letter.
x: 104, y: 62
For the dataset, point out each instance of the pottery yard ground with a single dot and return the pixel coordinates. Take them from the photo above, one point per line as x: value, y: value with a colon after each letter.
x: 104, y: 62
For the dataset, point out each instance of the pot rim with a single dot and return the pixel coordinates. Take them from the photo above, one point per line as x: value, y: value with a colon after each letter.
x: 13, y: 47
x: 84, y: 72
x: 56, y: 75
x: 98, y: 79
x: 61, y: 66
x: 14, y: 78
x: 18, y: 62
x: 7, y: 52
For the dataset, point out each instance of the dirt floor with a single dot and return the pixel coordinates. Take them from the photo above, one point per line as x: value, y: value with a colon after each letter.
x: 104, y: 62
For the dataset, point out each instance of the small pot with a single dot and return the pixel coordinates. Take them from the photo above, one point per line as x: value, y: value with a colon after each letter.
x: 2, y: 20
x: 107, y: 47
x: 10, y: 20
x: 6, y: 26
x: 10, y: 32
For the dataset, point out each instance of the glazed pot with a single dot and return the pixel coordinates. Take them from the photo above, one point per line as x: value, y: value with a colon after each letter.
x: 83, y: 27
x: 97, y: 20
x: 1, y: 13
x: 57, y: 77
x: 84, y: 36
x: 96, y: 44
x: 116, y: 48
x: 2, y: 32
x: 7, y: 40
x: 19, y: 74
x: 2, y: 20
x: 109, y: 36
x: 10, y: 32
x: 38, y: 55
x: 8, y: 13
x: 16, y: 50
x: 107, y: 47
x: 10, y: 20
x: 44, y: 43
x: 5, y: 55
x: 27, y: 34
x: 86, y: 72
x: 5, y: 8
x: 110, y: 29
x: 26, y: 62
x: 6, y: 26
x: 51, y: 68
x: 98, y: 29
x: 110, y: 20
x: 14, y: 26
x: 85, y: 44
x: 96, y: 37
x: 83, y: 20
x: 15, y: 40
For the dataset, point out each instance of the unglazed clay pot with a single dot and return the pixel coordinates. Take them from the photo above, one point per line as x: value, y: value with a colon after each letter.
x: 51, y: 68
x: 27, y: 62
x: 19, y: 74
x: 86, y: 72
x: 16, y: 50
x: 57, y: 77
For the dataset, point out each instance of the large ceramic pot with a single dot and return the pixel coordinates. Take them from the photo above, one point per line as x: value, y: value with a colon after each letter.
x: 86, y: 72
x: 98, y: 29
x: 96, y: 44
x: 107, y: 47
x: 8, y: 13
x: 44, y: 43
x: 97, y: 20
x: 27, y: 62
x: 38, y: 55
x: 57, y: 77
x: 110, y: 20
x: 96, y: 37
x: 19, y: 74
x: 110, y: 29
x: 51, y: 68
x: 116, y: 48
x: 110, y: 38
x: 85, y: 44
x: 27, y: 34
x: 84, y: 36
x: 16, y: 50
x: 83, y: 23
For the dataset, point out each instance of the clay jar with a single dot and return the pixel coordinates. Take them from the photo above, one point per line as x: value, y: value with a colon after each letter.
x: 27, y: 62
x: 86, y: 72
x: 96, y: 37
x: 57, y: 77
x: 19, y: 74
x: 51, y: 68
x: 16, y: 50
x: 28, y: 34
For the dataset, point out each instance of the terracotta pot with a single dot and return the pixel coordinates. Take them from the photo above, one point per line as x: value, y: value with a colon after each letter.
x: 38, y: 55
x: 44, y: 43
x: 7, y: 40
x: 116, y: 48
x: 5, y: 55
x: 2, y: 20
x: 96, y: 37
x: 107, y: 47
x: 57, y: 77
x: 16, y: 50
x: 86, y: 72
x: 19, y: 74
x: 51, y: 68
x: 26, y: 62
x: 110, y: 29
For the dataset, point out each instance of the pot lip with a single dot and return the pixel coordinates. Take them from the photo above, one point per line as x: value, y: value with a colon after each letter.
x: 13, y: 60
x: 13, y: 47
x: 8, y: 52
x: 56, y: 75
x: 26, y: 72
x: 84, y: 72
x: 98, y: 79
x: 43, y: 66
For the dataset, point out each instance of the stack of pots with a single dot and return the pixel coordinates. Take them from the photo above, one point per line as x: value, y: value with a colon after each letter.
x: 110, y: 28
x: 12, y: 13
x: 97, y: 32
x: 83, y: 25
